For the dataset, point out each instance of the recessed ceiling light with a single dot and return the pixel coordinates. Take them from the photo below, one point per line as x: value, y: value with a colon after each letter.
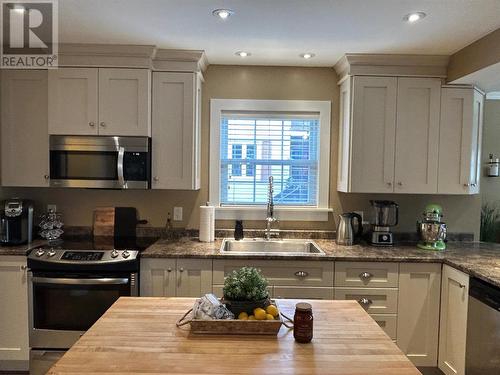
x: 223, y: 14
x: 414, y: 17
x: 307, y: 55
x: 242, y: 54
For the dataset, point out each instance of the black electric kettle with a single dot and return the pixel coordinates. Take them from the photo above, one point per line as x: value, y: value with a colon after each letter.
x: 345, y: 230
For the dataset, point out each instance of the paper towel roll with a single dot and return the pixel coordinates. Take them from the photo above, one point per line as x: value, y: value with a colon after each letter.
x: 207, y: 223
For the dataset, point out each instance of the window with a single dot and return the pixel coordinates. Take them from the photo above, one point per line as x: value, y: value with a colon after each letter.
x: 254, y: 139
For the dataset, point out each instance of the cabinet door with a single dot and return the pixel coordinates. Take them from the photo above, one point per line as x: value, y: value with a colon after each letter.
x: 373, y: 134
x: 124, y: 102
x: 14, y: 345
x: 158, y: 277
x: 459, y: 141
x: 73, y: 101
x: 25, y: 140
x: 418, y: 312
x: 175, y: 131
x: 417, y: 135
x: 453, y: 321
x: 194, y: 277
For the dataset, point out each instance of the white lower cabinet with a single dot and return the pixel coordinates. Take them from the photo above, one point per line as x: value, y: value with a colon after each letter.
x: 418, y: 312
x: 453, y: 321
x: 175, y: 277
x: 14, y: 336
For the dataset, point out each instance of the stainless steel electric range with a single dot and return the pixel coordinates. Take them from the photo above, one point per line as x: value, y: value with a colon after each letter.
x: 72, y: 285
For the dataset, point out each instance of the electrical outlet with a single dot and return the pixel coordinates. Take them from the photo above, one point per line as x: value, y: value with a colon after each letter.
x: 51, y: 207
x: 177, y: 213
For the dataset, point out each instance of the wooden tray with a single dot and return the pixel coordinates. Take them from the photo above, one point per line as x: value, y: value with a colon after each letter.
x: 236, y: 326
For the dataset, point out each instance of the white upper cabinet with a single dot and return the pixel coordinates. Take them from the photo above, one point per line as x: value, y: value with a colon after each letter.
x: 408, y: 135
x: 176, y: 131
x: 99, y: 101
x: 73, y: 94
x: 417, y: 135
x: 124, y: 102
x: 25, y: 140
x: 460, y: 140
x: 373, y: 133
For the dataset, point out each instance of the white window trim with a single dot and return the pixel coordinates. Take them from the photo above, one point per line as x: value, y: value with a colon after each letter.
x: 318, y: 213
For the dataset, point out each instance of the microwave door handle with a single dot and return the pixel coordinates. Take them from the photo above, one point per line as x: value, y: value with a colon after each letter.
x: 119, y: 166
x: 68, y: 281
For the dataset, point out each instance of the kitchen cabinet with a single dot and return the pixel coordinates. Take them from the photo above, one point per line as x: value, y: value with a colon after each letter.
x: 99, y: 101
x: 366, y: 274
x: 373, y: 300
x: 176, y: 277
x: 176, y: 130
x: 25, y: 140
x: 417, y: 135
x: 418, y: 312
x: 453, y: 321
x: 14, y: 337
x: 460, y: 140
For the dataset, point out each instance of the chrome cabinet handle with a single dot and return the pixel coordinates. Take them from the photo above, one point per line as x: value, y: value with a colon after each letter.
x: 169, y: 269
x: 365, y: 275
x: 400, y: 183
x: 365, y: 301
x: 103, y: 124
x: 156, y: 178
x: 46, y: 176
x: 301, y: 274
x: 181, y: 269
x: 389, y: 183
x: 24, y: 267
x: 466, y: 185
x: 461, y: 286
x: 92, y: 124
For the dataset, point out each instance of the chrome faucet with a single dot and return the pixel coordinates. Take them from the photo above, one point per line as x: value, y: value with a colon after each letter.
x: 270, y: 209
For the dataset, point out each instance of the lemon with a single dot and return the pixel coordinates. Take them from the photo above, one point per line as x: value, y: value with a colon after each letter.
x: 251, y: 317
x: 273, y: 310
x: 243, y: 316
x: 260, y: 314
x: 269, y: 317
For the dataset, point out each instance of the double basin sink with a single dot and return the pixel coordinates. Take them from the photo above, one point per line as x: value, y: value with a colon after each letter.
x: 259, y: 246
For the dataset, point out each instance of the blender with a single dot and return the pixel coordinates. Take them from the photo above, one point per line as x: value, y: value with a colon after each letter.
x: 386, y: 215
x: 432, y: 230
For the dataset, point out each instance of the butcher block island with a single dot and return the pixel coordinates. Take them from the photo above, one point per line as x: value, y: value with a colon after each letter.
x: 139, y: 335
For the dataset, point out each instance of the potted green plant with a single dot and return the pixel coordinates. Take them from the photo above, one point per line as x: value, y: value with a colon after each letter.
x: 245, y: 289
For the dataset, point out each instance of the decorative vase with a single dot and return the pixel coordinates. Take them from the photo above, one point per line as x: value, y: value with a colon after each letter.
x: 237, y: 307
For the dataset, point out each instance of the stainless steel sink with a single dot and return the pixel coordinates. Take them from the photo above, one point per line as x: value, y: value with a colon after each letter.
x: 259, y: 246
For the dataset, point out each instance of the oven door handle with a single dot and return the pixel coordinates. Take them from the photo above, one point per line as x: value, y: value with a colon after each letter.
x: 68, y: 281
x: 119, y: 166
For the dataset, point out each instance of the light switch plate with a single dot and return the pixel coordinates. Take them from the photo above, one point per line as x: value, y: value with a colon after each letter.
x: 177, y: 213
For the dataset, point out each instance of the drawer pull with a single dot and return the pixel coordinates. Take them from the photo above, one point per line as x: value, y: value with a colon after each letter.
x: 365, y: 275
x: 365, y: 301
x: 461, y: 286
x: 301, y: 274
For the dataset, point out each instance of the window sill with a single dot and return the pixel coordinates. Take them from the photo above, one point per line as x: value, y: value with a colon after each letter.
x: 281, y: 213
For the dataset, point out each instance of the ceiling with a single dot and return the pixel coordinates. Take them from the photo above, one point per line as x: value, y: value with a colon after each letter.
x: 275, y: 32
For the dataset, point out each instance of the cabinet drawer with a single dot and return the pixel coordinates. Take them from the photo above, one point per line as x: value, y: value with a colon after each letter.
x: 366, y: 274
x: 303, y: 293
x: 378, y: 300
x: 387, y: 322
x: 287, y: 273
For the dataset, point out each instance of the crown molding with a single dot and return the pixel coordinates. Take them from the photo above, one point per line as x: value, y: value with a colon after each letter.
x: 180, y: 60
x: 392, y: 65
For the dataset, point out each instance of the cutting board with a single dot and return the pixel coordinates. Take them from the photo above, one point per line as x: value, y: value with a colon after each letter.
x: 104, y: 221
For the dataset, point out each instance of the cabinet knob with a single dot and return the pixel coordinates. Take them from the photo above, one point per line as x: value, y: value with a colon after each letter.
x: 365, y: 275
x: 181, y: 269
x: 156, y: 178
x: 461, y: 286
x: 46, y: 176
x: 92, y: 124
x: 466, y: 185
x: 24, y: 267
x: 169, y: 269
x: 301, y: 274
x: 103, y: 124
x: 400, y: 183
x: 389, y: 183
x: 365, y: 301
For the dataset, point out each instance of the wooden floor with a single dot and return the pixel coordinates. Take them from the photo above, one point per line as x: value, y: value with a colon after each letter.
x: 138, y: 335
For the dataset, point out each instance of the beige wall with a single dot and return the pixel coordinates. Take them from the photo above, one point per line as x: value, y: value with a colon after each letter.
x: 252, y: 82
x: 490, y: 187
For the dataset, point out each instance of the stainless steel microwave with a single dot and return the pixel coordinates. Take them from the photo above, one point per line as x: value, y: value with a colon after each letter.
x: 103, y: 162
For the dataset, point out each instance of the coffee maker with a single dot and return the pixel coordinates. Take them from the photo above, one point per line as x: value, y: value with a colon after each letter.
x: 386, y: 215
x: 16, y: 221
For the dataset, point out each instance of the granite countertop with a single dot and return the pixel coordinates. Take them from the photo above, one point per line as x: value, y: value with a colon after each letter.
x: 20, y: 249
x: 478, y: 259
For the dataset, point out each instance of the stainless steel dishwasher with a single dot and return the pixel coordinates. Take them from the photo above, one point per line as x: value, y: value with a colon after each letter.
x: 483, y: 329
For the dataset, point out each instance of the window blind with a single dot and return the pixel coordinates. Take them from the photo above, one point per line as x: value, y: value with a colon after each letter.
x: 255, y: 146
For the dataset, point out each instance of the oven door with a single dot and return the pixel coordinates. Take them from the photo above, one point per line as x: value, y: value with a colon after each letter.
x: 100, y: 162
x: 63, y: 307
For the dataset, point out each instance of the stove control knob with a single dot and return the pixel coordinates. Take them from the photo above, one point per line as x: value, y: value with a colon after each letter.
x: 125, y: 254
x: 40, y: 252
x: 114, y: 254
x: 51, y: 253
